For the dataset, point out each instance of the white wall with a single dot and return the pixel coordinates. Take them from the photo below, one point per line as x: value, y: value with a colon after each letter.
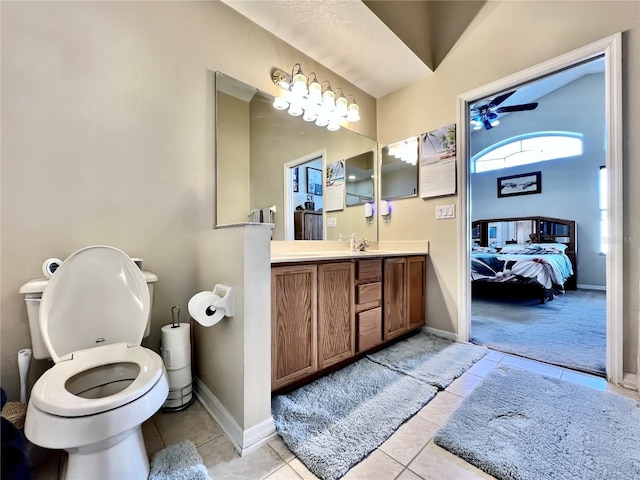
x: 569, y: 185
x: 108, y: 138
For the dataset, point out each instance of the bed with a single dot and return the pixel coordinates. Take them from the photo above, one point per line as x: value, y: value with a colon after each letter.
x: 538, y: 267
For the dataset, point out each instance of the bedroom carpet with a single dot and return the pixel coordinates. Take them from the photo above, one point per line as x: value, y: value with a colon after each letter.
x: 569, y: 331
x: 336, y: 421
x: 521, y: 425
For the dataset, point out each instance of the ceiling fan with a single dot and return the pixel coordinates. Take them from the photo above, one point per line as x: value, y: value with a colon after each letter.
x: 487, y: 115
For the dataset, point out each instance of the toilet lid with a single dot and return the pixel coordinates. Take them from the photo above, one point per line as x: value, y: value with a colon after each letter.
x: 97, y: 297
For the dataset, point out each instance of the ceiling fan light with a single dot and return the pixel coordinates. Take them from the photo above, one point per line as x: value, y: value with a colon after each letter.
x: 333, y: 126
x: 495, y: 123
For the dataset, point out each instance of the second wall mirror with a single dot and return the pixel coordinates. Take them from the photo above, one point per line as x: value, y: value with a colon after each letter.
x: 399, y: 169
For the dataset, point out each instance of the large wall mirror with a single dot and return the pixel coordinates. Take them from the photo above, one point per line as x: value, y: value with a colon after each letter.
x: 399, y: 169
x: 257, y: 151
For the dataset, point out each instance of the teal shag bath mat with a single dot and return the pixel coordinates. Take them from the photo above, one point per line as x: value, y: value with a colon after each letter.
x: 178, y: 462
x: 522, y: 425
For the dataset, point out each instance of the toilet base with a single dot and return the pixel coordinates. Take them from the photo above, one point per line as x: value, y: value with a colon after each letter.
x: 118, y: 458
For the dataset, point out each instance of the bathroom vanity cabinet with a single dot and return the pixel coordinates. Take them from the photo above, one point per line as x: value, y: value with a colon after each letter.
x: 404, y: 298
x: 294, y: 325
x: 327, y: 312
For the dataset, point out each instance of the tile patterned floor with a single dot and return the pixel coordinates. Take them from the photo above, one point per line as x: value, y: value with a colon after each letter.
x: 409, y: 454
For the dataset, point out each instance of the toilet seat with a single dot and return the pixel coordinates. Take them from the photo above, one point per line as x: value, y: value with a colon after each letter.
x: 51, y: 395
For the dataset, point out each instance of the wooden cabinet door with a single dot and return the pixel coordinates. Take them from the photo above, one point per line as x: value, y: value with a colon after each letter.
x: 294, y: 334
x: 336, y: 316
x: 394, y: 297
x: 416, y: 291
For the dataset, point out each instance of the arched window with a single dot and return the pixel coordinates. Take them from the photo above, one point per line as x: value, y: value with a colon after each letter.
x: 528, y: 148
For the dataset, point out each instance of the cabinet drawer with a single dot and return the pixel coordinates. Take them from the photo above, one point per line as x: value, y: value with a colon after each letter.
x: 368, y: 292
x: 369, y: 270
x: 369, y: 329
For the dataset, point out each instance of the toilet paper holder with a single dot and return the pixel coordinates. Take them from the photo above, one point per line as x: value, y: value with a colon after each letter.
x: 225, y: 303
x: 208, y: 308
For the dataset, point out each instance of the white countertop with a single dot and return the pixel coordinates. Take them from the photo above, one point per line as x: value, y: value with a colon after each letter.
x: 313, y: 250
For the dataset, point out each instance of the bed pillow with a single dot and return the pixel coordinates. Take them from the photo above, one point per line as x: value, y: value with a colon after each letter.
x: 478, y: 249
x: 534, y: 248
x: 561, y: 247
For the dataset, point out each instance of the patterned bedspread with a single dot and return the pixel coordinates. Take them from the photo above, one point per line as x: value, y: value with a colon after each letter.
x: 550, y: 270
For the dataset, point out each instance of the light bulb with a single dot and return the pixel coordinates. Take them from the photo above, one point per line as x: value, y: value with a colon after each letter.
x: 295, y: 110
x: 299, y: 87
x: 333, y: 126
x: 280, y: 103
x: 309, y: 116
x: 315, y: 92
x: 341, y: 106
x: 322, y: 120
x: 328, y: 101
x: 495, y: 123
x: 353, y: 114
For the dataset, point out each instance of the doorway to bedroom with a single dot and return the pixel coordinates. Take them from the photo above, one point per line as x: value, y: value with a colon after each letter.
x: 538, y: 218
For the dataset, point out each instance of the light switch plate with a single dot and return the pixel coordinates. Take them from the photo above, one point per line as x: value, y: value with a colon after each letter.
x: 445, y: 211
x: 332, y: 222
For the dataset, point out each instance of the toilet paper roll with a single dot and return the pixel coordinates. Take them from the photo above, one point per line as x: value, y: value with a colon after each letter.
x: 180, y: 377
x: 175, y: 346
x: 202, y: 310
x: 49, y: 266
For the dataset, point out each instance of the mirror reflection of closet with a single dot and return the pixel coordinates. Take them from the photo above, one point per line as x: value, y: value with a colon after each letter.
x: 254, y: 143
x: 399, y: 170
x: 507, y: 233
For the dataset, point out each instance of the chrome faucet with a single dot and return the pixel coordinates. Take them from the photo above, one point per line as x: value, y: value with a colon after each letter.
x: 362, y: 245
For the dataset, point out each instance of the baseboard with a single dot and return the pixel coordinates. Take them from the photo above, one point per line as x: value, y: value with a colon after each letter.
x: 591, y: 287
x: 630, y: 381
x: 243, y: 440
x: 441, y: 333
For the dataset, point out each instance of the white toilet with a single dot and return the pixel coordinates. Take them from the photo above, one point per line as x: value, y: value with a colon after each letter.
x: 104, y: 385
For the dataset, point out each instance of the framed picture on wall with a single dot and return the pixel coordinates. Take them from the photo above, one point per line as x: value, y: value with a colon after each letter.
x: 295, y: 179
x: 523, y: 184
x: 314, y: 181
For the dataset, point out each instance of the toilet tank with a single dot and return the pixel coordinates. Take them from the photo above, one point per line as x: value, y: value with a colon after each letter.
x: 32, y: 291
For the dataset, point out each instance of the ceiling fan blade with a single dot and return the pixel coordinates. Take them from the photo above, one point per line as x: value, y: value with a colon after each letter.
x: 517, y: 108
x: 499, y: 99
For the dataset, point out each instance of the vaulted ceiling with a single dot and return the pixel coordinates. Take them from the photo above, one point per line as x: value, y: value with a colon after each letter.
x: 379, y: 46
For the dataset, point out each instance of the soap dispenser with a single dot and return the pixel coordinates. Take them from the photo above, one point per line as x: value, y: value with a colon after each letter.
x: 352, y: 242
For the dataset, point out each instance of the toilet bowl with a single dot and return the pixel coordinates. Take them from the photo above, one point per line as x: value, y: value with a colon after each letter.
x: 104, y: 385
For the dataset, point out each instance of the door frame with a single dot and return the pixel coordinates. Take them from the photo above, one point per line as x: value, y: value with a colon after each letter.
x: 611, y: 48
x: 289, y: 232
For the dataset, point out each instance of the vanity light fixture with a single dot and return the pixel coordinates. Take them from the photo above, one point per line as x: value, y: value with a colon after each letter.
x: 316, y: 102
